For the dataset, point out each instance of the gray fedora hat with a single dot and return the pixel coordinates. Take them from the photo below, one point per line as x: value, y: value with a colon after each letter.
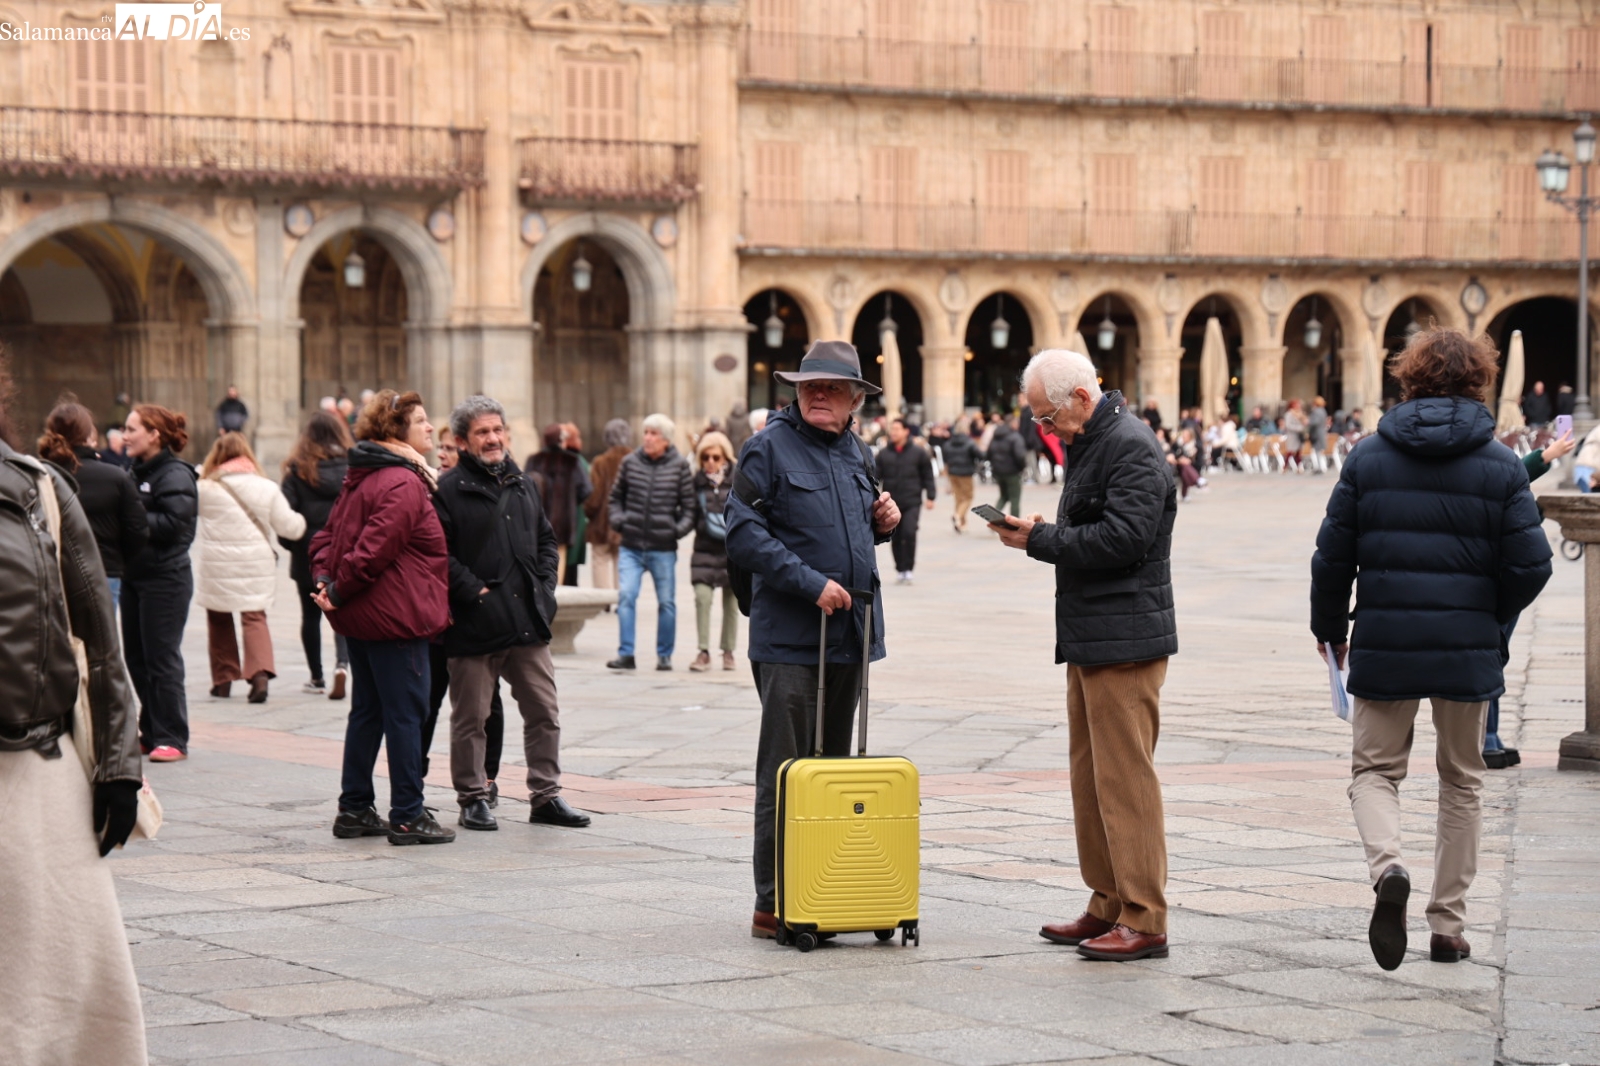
x: 829, y: 361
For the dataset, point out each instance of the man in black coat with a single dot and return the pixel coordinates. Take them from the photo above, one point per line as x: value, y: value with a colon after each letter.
x: 906, y: 470
x: 1008, y: 458
x: 1434, y: 525
x: 1537, y: 408
x: 1115, y: 629
x: 503, y: 569
x: 961, y: 457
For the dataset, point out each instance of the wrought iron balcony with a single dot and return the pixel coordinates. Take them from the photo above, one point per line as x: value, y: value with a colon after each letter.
x: 1184, y: 234
x: 101, y: 145
x: 970, y: 68
x: 574, y: 170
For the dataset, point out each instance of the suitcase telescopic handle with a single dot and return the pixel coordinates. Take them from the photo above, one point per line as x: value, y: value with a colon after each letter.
x: 864, y: 596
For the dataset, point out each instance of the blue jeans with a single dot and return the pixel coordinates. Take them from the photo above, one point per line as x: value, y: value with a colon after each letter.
x: 388, y: 703
x: 663, y: 569
x: 116, y: 590
x: 1491, y: 725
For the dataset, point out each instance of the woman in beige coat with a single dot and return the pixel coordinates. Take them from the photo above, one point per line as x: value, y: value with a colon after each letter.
x: 236, y: 561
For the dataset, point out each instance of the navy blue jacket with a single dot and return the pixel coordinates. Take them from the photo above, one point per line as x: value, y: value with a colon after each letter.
x: 819, y: 493
x: 1433, y: 522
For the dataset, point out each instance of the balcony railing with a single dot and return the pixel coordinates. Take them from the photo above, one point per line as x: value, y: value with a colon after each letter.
x: 1178, y: 234
x: 565, y: 169
x: 921, y: 66
x: 236, y: 151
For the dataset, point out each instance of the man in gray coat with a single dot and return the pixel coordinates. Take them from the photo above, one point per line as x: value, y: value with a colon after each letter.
x: 1115, y: 629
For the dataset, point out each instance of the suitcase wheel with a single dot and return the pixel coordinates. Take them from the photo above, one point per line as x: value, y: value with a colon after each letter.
x: 805, y: 941
x: 884, y: 934
x: 912, y: 935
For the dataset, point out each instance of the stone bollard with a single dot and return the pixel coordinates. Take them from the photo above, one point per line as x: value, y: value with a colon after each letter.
x: 1579, y: 517
x: 574, y: 607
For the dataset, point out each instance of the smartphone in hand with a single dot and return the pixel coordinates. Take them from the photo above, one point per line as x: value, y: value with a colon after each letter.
x: 1563, y: 425
x: 990, y: 513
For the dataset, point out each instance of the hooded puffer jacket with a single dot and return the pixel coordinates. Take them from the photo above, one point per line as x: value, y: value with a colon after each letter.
x: 652, y: 502
x: 235, y: 565
x: 1433, y: 523
x: 383, y: 554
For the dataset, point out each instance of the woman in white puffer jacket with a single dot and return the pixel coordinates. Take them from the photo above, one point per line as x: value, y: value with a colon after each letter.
x: 236, y: 561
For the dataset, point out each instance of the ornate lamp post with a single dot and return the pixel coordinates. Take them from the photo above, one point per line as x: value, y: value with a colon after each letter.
x: 1554, y: 171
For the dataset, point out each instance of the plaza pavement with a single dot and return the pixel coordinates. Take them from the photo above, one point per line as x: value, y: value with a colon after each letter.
x: 260, y: 939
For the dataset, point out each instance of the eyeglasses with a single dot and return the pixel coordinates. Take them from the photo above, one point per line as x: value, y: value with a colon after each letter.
x: 713, y: 457
x: 1049, y: 420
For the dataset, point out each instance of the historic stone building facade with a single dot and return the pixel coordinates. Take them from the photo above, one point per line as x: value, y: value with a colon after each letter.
x: 593, y: 208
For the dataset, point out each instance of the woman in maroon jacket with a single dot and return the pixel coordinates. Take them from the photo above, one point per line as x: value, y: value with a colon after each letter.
x: 381, y: 569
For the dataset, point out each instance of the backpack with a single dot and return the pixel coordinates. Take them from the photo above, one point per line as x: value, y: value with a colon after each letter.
x: 742, y: 581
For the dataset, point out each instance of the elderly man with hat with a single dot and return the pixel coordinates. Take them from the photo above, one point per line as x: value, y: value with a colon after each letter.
x: 805, y: 517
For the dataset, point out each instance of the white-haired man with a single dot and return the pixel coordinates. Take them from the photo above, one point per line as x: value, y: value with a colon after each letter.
x: 1115, y: 629
x: 805, y: 518
x: 652, y: 505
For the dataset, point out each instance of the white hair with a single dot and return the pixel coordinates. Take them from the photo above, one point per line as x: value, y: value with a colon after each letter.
x: 1061, y: 373
x: 661, y: 424
x: 758, y: 419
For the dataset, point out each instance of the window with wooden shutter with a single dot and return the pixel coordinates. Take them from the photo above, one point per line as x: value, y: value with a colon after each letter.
x: 1221, y: 204
x: 1519, y: 203
x: 1005, y: 46
x: 892, y: 54
x: 364, y: 91
x: 1005, y: 201
x: 775, y: 207
x: 891, y: 196
x: 775, y: 39
x: 1522, y: 88
x: 1112, y: 58
x: 1325, y: 59
x: 1583, y: 67
x: 1324, y: 210
x: 111, y: 77
x: 1113, y: 202
x: 1419, y: 66
x: 1221, y: 49
x: 597, y: 112
x: 1422, y: 229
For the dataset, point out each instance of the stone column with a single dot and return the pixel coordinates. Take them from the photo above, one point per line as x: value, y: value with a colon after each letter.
x: 1263, y: 377
x: 944, y: 372
x: 1158, y: 380
x: 1353, y: 368
x: 1580, y: 520
x: 276, y: 408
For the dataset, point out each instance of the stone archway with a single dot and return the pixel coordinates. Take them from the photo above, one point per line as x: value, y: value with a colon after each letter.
x: 1118, y: 361
x: 793, y: 334
x: 102, y: 298
x: 994, y: 372
x: 1315, y: 369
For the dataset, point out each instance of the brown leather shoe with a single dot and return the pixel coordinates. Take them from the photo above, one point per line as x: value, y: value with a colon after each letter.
x: 1124, y: 945
x: 258, y: 687
x: 1444, y: 948
x: 764, y: 925
x: 702, y: 662
x: 1084, y: 927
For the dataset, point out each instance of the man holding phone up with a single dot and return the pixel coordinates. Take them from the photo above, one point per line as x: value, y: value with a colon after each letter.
x: 1115, y: 629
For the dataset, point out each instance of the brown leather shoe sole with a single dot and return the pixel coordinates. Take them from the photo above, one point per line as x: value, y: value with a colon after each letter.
x: 1155, y: 951
x: 1070, y: 941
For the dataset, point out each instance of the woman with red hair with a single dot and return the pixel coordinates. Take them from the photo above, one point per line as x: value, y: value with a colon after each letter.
x: 157, y: 583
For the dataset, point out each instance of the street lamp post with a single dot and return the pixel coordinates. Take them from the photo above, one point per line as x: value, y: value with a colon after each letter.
x: 1554, y: 171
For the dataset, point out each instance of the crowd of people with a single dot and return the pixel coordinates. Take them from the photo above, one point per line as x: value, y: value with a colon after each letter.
x: 442, y: 577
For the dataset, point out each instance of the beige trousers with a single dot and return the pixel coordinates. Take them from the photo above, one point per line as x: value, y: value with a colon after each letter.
x: 961, y: 489
x: 603, y: 565
x: 1113, y: 718
x: 528, y: 670
x: 1380, y: 752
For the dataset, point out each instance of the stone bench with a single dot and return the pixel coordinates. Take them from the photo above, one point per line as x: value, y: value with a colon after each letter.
x: 574, y: 607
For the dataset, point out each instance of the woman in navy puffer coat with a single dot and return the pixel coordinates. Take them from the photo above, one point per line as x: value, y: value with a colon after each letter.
x: 1434, y: 524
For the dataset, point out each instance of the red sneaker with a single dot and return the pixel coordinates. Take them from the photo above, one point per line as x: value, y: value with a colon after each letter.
x: 167, y: 753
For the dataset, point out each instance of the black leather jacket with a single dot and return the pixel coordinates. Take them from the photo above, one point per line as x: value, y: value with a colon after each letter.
x: 172, y: 505
x: 38, y: 676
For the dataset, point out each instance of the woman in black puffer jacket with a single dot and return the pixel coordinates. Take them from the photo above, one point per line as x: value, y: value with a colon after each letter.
x: 110, y: 499
x: 1433, y: 523
x: 312, y: 478
x: 157, y: 584
x: 708, y: 565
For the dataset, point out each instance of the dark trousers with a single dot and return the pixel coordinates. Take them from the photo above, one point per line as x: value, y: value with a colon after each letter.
x: 1491, y: 728
x: 1010, y: 490
x: 311, y: 619
x: 494, y: 730
x: 788, y: 731
x: 388, y: 702
x: 904, y: 541
x: 154, y: 610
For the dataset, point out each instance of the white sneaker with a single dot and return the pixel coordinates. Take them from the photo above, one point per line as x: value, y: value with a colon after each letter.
x: 906, y: 578
x: 313, y: 688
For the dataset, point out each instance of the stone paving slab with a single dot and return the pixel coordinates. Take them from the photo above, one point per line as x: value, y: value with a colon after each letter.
x: 260, y: 939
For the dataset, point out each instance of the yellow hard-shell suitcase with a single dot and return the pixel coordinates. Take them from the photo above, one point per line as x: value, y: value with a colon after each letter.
x: 848, y: 835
